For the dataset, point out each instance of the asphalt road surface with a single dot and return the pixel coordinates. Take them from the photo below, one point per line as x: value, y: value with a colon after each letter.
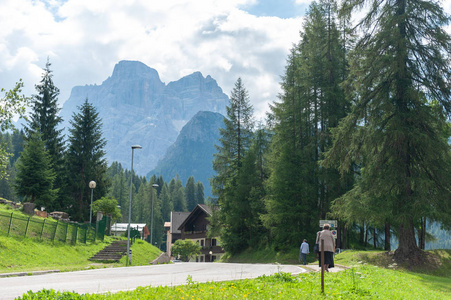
x: 120, y: 279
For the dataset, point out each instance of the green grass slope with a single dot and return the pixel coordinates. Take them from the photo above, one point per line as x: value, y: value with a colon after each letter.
x: 24, y: 254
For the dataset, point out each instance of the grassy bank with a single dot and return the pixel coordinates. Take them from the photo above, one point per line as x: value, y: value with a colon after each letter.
x: 24, y: 254
x: 27, y: 255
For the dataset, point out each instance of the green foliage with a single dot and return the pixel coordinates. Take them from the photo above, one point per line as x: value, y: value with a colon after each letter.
x: 186, y: 249
x: 85, y: 161
x: 108, y: 206
x: 44, y: 122
x: 234, y: 215
x: 35, y: 175
x: 190, y: 193
x: 311, y: 103
x: 11, y: 104
x: 394, y: 122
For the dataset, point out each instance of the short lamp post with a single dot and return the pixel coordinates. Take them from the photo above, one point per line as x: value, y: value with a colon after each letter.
x: 155, y: 186
x: 92, y: 186
x: 129, y: 257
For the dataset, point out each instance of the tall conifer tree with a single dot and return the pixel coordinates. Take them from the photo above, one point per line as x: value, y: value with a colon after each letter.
x: 35, y: 175
x: 190, y: 193
x: 312, y: 102
x: 236, y: 137
x: 400, y: 73
x: 86, y: 160
x: 44, y: 121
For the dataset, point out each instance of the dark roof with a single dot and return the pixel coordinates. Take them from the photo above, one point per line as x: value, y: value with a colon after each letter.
x: 207, y: 208
x: 195, y: 213
x: 177, y: 218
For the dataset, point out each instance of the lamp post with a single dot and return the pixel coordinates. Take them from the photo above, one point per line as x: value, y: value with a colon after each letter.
x: 129, y: 257
x: 155, y: 186
x: 92, y: 186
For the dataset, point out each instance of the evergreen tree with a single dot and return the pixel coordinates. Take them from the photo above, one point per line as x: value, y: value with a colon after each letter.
x: 236, y: 137
x: 178, y: 197
x: 166, y: 203
x: 400, y: 78
x: 44, y: 121
x: 35, y: 176
x: 200, y: 196
x: 190, y: 193
x: 312, y: 102
x: 86, y: 160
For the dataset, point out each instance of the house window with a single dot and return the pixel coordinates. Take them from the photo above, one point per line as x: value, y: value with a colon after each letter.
x: 213, y: 242
x: 202, y: 243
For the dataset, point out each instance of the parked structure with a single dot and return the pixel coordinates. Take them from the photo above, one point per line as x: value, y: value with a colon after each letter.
x: 119, y: 229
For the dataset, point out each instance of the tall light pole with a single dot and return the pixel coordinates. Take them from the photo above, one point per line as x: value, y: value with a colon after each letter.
x: 92, y: 186
x: 155, y: 186
x: 129, y: 257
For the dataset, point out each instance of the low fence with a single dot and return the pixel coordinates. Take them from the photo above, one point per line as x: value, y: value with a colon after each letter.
x: 49, y: 229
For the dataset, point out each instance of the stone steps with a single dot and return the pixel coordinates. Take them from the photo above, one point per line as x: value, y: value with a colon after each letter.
x: 111, y: 253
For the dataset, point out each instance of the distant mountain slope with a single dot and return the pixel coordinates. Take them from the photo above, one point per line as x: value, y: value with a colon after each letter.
x: 192, y: 153
x: 137, y: 108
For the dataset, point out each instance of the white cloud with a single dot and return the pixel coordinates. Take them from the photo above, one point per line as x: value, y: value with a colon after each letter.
x: 84, y: 39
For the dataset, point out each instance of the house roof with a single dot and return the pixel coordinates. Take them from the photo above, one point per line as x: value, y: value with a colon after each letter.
x: 195, y: 213
x: 177, y: 218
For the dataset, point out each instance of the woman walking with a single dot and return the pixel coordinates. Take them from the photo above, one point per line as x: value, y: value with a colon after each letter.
x: 329, y: 247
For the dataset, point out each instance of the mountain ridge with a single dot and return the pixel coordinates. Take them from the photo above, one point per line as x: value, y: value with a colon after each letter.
x: 136, y: 107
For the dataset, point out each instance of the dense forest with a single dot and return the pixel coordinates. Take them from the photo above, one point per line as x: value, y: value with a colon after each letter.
x: 359, y: 133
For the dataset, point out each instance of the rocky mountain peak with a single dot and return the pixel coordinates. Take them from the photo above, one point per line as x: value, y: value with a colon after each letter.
x: 137, y: 108
x: 134, y: 69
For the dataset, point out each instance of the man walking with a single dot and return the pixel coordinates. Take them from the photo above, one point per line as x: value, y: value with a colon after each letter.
x: 304, y: 250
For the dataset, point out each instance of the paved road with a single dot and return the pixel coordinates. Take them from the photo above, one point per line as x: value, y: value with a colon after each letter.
x: 119, y: 279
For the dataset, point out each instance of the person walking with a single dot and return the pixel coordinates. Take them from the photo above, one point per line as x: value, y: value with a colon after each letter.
x: 329, y: 247
x: 304, y: 251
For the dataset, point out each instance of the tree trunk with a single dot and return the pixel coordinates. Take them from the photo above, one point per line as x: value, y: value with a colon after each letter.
x: 408, y: 251
x: 387, y: 237
x: 366, y: 236
x: 362, y: 233
x: 374, y: 238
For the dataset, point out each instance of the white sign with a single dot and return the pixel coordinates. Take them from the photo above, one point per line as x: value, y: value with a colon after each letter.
x: 334, y: 233
x: 333, y: 223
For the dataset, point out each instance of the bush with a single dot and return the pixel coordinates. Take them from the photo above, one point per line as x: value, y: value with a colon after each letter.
x: 185, y: 249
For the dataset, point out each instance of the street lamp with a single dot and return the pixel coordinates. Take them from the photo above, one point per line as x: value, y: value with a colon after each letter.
x: 92, y: 186
x: 129, y: 257
x: 155, y: 186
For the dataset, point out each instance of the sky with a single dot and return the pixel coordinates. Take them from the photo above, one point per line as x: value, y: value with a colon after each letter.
x: 84, y: 39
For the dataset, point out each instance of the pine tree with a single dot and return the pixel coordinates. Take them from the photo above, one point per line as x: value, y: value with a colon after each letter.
x: 399, y: 76
x: 200, y: 196
x: 312, y: 102
x: 44, y: 120
x: 235, y: 141
x: 190, y: 193
x: 166, y: 203
x: 86, y: 160
x: 35, y: 176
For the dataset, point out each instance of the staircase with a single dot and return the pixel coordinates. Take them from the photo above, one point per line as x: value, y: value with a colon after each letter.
x: 111, y: 253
